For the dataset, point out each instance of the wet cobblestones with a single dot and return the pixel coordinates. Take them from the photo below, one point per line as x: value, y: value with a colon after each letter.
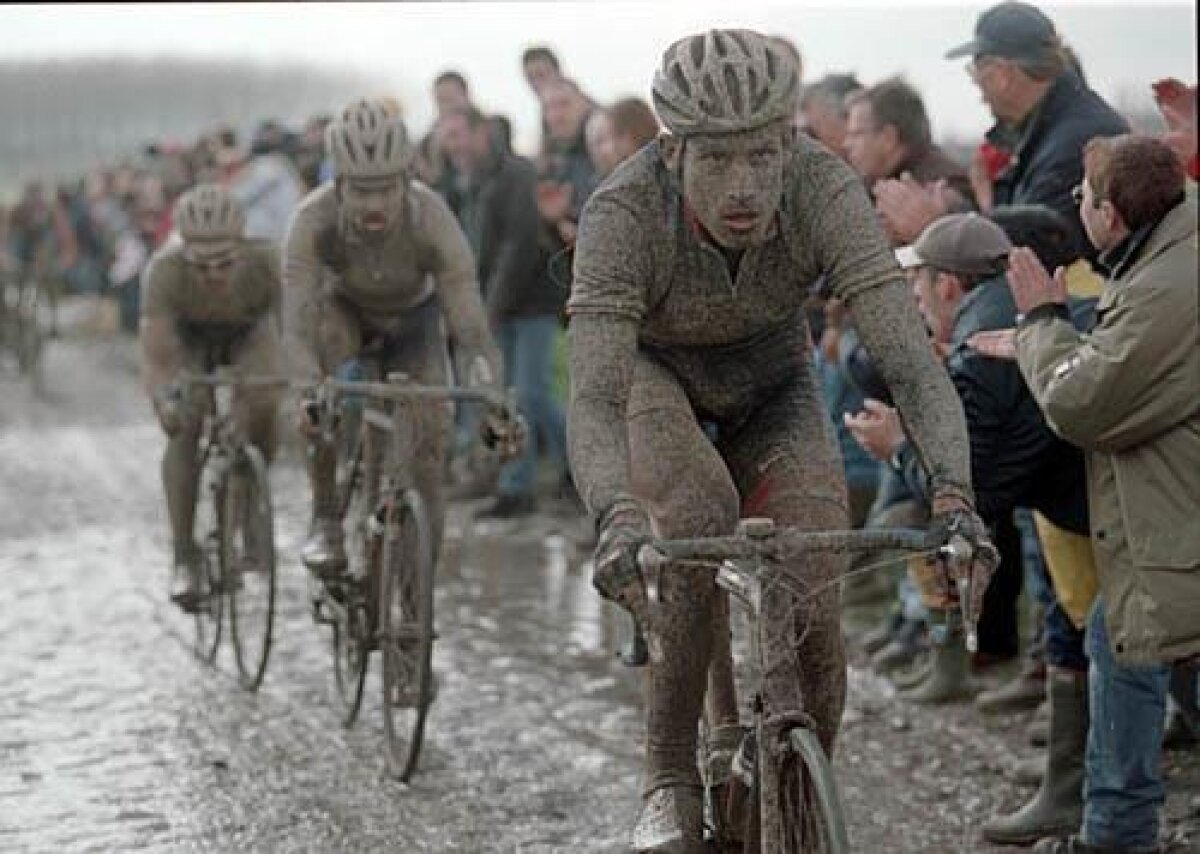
x: 113, y: 737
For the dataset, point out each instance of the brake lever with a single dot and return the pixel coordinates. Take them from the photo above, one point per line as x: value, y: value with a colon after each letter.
x: 957, y: 554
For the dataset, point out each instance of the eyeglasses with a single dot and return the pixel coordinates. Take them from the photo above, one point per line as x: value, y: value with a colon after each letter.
x: 978, y: 65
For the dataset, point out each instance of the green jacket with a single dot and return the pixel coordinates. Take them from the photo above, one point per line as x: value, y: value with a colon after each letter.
x: 1128, y: 393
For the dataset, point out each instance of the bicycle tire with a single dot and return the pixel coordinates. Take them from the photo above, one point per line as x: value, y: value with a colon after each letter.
x: 406, y: 631
x: 207, y: 621
x: 251, y: 593
x: 29, y: 343
x: 358, y: 487
x: 809, y: 793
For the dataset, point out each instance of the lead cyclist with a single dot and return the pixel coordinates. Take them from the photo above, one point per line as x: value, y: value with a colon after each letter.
x: 693, y: 400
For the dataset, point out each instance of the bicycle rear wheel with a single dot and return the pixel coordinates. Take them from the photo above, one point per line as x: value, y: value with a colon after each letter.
x: 210, y: 522
x: 406, y: 631
x: 812, y: 819
x: 249, y: 552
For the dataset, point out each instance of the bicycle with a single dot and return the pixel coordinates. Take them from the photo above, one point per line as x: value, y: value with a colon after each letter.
x: 790, y: 801
x: 21, y: 327
x: 237, y: 537
x: 385, y: 599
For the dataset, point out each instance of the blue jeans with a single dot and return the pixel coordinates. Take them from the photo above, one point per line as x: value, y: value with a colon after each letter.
x: 1123, y: 789
x: 528, y: 347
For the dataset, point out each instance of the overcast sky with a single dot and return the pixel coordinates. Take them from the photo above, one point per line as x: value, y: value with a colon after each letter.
x: 610, y: 47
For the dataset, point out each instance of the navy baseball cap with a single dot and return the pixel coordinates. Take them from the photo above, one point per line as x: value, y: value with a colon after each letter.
x: 1011, y: 30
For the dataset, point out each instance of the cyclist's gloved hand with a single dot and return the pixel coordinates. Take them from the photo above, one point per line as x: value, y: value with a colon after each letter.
x: 622, y: 530
x: 502, y: 430
x: 169, y: 405
x: 955, y: 519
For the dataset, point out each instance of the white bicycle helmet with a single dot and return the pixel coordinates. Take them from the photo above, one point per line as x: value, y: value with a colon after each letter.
x: 369, y: 141
x: 724, y: 81
x: 209, y: 212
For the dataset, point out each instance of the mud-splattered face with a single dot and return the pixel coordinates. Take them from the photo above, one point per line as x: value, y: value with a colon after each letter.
x: 373, y: 207
x: 212, y: 261
x: 733, y: 183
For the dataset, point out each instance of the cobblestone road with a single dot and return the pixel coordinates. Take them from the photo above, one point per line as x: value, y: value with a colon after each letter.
x: 114, y: 738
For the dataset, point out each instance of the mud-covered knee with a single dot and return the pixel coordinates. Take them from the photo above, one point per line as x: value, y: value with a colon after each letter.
x: 700, y: 507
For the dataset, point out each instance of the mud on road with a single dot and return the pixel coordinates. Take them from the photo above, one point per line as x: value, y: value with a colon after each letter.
x: 114, y: 738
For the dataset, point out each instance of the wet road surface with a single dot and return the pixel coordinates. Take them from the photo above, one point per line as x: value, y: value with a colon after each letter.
x: 113, y: 737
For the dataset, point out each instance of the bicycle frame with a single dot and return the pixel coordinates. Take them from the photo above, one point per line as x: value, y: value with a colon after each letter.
x: 757, y: 545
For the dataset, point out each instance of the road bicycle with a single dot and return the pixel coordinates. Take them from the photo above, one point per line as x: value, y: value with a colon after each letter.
x: 21, y: 330
x: 235, y: 524
x: 778, y: 794
x: 384, y: 600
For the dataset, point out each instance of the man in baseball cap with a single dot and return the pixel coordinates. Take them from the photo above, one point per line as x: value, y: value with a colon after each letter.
x: 1044, y: 110
x: 1012, y: 30
x: 966, y: 244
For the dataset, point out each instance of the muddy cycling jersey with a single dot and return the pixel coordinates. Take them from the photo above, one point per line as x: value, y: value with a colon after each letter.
x: 733, y: 334
x: 171, y: 288
x: 380, y: 279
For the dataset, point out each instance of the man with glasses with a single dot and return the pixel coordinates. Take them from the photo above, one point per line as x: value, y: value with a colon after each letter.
x: 208, y: 299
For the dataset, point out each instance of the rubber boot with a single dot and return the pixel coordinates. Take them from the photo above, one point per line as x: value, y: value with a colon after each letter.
x: 323, y: 551
x: 949, y: 677
x: 909, y: 679
x: 1057, y: 808
x: 1025, y: 691
x: 906, y: 644
x: 881, y: 635
x: 671, y: 821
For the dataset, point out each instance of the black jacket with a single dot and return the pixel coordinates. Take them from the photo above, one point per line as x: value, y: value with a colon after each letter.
x: 1047, y: 150
x: 1016, y: 460
x: 499, y: 214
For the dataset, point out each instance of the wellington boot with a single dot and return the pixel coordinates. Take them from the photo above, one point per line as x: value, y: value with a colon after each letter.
x: 1024, y: 691
x: 949, y: 679
x: 1057, y: 807
x: 671, y: 821
x: 877, y: 638
x: 905, y: 680
x: 908, y: 642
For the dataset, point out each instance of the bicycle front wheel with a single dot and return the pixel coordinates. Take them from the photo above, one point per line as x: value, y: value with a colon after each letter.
x: 406, y: 631
x: 29, y: 341
x: 210, y: 523
x: 249, y: 550
x: 812, y: 820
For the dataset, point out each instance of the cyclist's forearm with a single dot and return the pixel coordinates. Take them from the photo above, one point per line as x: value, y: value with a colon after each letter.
x: 467, y: 321
x: 300, y: 311
x: 162, y: 353
x: 603, y: 351
x: 894, y: 335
